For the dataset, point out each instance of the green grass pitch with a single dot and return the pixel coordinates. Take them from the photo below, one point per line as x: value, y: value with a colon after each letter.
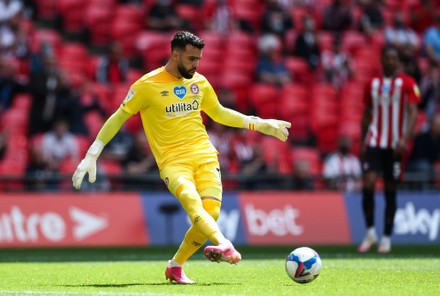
x: 408, y: 270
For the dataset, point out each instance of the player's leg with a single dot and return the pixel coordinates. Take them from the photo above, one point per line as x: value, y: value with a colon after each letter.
x: 208, y: 182
x: 371, y: 167
x: 392, y: 176
x: 180, y: 181
x: 194, y: 239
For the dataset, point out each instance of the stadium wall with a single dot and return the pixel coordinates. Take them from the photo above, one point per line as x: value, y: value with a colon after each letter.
x: 256, y: 218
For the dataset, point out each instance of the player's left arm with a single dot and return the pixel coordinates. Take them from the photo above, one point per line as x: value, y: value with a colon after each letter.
x: 232, y: 118
x: 226, y: 116
x: 413, y: 101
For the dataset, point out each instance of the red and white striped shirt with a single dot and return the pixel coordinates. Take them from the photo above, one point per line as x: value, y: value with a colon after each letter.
x: 388, y: 99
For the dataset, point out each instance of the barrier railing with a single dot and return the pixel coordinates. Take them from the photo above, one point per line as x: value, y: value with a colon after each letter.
x: 152, y: 182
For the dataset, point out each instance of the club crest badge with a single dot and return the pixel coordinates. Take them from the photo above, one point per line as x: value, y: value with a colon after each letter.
x: 194, y: 88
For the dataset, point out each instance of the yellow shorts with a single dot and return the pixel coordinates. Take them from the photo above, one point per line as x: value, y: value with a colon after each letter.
x: 205, y: 177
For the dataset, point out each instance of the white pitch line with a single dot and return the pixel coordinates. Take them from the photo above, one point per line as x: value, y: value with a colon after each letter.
x: 73, y: 293
x: 102, y: 293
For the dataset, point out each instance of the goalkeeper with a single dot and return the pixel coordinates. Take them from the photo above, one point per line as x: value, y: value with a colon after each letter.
x: 169, y: 100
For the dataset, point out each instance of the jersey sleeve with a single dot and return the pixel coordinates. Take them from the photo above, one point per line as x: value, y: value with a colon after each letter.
x: 135, y: 100
x: 413, y: 91
x: 210, y: 99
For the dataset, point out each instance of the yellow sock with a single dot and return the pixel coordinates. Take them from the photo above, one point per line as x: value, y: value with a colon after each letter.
x: 193, y: 238
x: 200, y: 218
x: 191, y: 243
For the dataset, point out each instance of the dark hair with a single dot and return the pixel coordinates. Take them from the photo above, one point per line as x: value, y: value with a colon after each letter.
x: 182, y: 38
x: 388, y: 48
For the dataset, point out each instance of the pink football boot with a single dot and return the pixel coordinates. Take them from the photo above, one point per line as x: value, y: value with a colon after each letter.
x: 176, y: 274
x: 223, y: 252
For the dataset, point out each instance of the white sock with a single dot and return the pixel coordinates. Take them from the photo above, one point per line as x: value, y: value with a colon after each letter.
x: 175, y: 264
x: 386, y: 239
x: 371, y: 231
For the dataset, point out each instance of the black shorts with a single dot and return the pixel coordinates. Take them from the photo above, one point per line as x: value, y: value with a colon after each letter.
x: 384, y: 162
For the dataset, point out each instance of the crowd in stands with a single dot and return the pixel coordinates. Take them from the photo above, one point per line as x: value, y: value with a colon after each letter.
x: 66, y: 65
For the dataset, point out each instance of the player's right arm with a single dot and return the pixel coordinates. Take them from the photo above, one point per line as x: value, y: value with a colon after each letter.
x: 107, y: 132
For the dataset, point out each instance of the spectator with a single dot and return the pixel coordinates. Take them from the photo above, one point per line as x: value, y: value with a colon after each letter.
x: 59, y: 145
x: 426, y: 149
x: 400, y: 35
x: 3, y: 143
x: 10, y: 84
x: 38, y: 171
x: 52, y: 97
x: 337, y: 17
x: 275, y: 19
x: 139, y: 159
x: 271, y: 68
x: 306, y: 44
x: 221, y: 137
x: 431, y: 40
x: 220, y: 18
x: 341, y: 168
x: 430, y: 91
x: 422, y: 15
x: 302, y: 177
x: 372, y: 18
x: 10, y: 16
x: 118, y: 148
x: 410, y: 65
x: 163, y: 17
x: 337, y: 65
x: 248, y: 154
x: 112, y: 68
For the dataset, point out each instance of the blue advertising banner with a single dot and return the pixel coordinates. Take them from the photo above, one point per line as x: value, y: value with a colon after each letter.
x: 417, y: 219
x: 167, y: 221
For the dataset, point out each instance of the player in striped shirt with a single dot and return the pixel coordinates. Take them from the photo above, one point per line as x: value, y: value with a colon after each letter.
x: 387, y: 125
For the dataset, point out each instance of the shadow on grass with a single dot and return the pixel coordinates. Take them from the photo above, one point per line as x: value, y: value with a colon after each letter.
x: 144, y: 284
x: 163, y: 253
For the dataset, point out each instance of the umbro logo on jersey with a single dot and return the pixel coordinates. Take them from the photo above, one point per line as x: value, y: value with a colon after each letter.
x: 165, y: 93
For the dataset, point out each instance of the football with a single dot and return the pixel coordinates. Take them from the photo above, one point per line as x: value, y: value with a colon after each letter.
x: 303, y: 265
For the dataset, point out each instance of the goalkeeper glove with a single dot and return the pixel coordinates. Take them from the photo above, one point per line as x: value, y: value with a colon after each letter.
x: 271, y: 127
x: 88, y: 165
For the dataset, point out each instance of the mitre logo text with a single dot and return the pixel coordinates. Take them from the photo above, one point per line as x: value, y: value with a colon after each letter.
x: 16, y: 226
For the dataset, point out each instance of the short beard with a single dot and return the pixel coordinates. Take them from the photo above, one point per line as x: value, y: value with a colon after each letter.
x: 184, y: 72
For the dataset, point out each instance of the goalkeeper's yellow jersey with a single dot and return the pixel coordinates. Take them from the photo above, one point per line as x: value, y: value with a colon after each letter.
x: 170, y: 111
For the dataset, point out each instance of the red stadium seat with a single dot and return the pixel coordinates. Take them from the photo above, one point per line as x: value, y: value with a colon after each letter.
x: 276, y: 154
x: 15, y: 121
x: 249, y: 12
x: 311, y: 155
x: 264, y: 99
x: 47, y: 9
x: 126, y: 32
x: 298, y: 68
x: 94, y: 122
x: 46, y: 36
x: 129, y: 13
x: 97, y: 20
x: 353, y: 41
x: 212, y: 40
x: 22, y: 102
x: 192, y: 14
x: 74, y: 59
x: 240, y: 84
x: 74, y: 51
x: 154, y: 48
x: 72, y: 12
